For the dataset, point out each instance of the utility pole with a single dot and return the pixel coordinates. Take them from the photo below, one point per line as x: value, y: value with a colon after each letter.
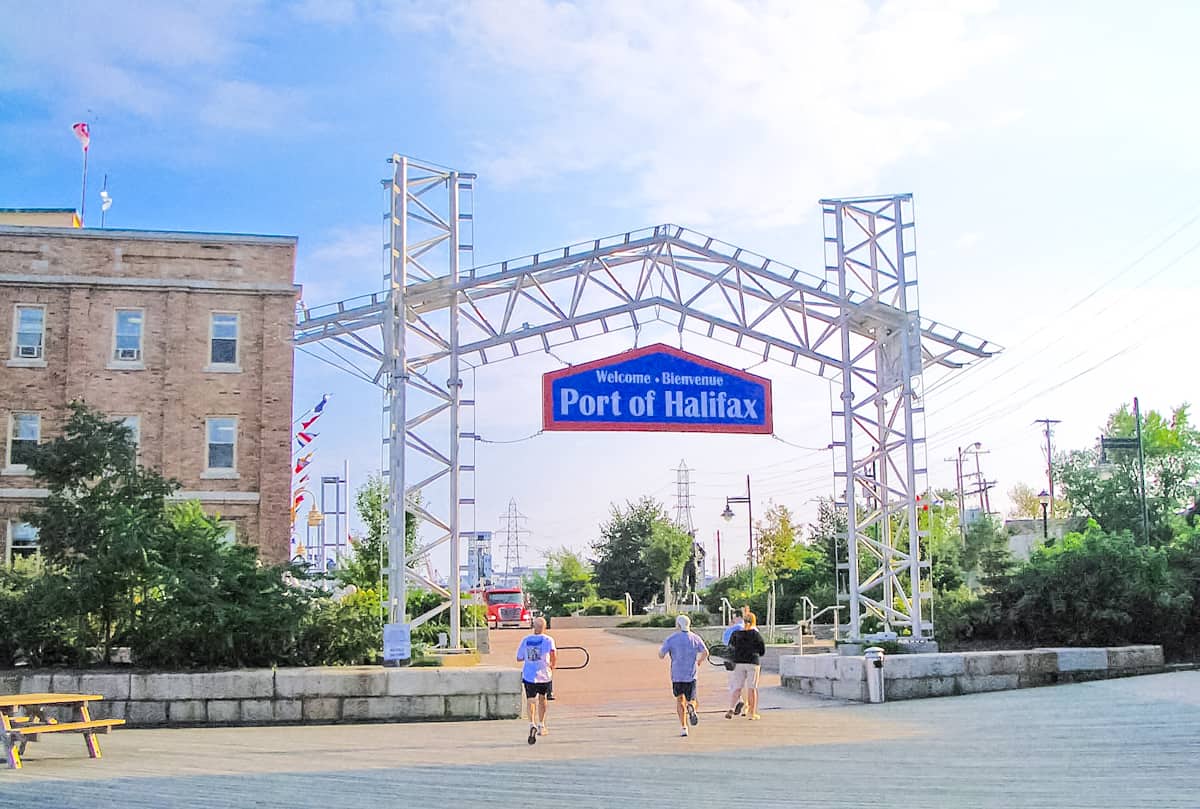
x: 1137, y: 417
x: 958, y: 478
x: 1049, y: 432
x: 512, y: 530
x: 683, y: 499
x: 982, y: 485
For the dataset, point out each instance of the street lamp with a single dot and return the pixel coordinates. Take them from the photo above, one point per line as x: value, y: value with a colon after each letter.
x: 728, y: 515
x: 1044, y: 499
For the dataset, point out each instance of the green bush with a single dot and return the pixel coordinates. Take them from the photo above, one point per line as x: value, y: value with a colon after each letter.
x: 961, y: 615
x: 345, y: 631
x: 603, y: 606
x: 633, y: 622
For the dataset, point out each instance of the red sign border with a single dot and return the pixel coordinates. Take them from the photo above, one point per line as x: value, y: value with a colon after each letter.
x: 548, y: 379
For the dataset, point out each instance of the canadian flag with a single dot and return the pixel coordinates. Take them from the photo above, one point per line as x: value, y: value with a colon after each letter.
x: 83, y: 134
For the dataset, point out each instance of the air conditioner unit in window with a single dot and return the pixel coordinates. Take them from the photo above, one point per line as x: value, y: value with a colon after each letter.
x: 129, y: 354
x: 29, y: 352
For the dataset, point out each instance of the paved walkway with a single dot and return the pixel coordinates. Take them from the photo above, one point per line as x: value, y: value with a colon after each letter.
x: 1119, y: 743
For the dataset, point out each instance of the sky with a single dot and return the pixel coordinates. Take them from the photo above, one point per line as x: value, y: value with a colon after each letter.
x: 1050, y: 149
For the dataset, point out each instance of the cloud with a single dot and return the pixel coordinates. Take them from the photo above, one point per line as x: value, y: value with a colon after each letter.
x: 707, y: 110
x: 159, y: 62
x: 339, y: 266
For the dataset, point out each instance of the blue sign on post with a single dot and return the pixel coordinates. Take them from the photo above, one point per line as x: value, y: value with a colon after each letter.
x: 658, y: 389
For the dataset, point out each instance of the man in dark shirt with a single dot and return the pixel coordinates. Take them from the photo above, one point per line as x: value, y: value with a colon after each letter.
x: 746, y: 650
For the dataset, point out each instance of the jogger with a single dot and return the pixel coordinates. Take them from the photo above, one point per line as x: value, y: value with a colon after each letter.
x: 540, y: 656
x: 686, y: 650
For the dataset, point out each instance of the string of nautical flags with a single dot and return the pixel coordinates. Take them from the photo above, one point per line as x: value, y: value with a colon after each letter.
x: 303, y: 451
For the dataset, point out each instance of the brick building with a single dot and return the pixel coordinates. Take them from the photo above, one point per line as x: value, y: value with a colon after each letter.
x: 185, y: 335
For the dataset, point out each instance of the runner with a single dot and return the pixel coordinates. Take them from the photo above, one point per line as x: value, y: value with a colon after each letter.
x: 540, y: 656
x: 686, y: 650
x: 747, y: 649
x: 739, y: 623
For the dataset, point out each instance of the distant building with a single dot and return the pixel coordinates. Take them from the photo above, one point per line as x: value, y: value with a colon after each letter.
x: 40, y: 217
x: 478, y: 570
x: 185, y: 336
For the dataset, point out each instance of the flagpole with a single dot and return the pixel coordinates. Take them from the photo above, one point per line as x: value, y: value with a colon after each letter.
x: 83, y: 194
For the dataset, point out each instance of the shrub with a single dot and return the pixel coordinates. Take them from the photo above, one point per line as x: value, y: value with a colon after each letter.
x: 960, y: 615
x: 345, y: 631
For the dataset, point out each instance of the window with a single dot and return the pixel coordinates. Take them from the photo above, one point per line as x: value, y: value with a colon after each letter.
x: 134, y: 423
x: 127, y: 335
x: 224, y: 339
x: 29, y: 333
x: 222, y: 444
x: 25, y: 432
x: 22, y: 540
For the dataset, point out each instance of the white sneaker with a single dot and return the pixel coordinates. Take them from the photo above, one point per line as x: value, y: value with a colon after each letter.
x: 683, y: 731
x: 542, y: 729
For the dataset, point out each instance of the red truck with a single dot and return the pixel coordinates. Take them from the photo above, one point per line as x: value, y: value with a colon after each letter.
x: 507, y: 606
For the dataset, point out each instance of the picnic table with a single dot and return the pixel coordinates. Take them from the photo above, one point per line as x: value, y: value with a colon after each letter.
x: 23, y: 719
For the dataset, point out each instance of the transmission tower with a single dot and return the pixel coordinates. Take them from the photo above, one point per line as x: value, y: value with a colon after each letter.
x: 683, y: 499
x: 511, y: 530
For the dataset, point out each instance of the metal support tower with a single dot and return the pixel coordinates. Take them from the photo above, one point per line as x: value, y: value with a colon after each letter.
x: 857, y: 327
x: 683, y: 500
x: 512, y: 529
x: 879, y: 438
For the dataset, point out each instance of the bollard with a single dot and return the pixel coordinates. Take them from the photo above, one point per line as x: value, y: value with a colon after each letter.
x: 873, y: 663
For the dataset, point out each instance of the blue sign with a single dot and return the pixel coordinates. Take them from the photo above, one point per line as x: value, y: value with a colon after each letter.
x: 657, y: 388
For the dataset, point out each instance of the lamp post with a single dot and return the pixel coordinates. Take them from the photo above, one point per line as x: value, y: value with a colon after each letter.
x: 728, y: 515
x: 1044, y: 499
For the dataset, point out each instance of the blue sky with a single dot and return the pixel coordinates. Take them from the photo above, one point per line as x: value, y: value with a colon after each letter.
x: 1050, y: 148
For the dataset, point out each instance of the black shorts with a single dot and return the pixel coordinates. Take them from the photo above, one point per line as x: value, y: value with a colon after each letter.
x: 534, y: 689
x: 686, y: 690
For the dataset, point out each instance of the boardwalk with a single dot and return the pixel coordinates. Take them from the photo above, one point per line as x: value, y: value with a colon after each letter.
x: 1120, y: 743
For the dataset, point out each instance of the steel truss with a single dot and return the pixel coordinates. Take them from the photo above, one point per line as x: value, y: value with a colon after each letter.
x: 857, y: 327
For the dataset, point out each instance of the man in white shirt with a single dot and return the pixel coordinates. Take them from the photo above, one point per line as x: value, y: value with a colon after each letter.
x: 540, y: 656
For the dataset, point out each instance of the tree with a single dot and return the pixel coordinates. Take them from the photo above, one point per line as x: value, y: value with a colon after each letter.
x: 99, y: 521
x: 1027, y: 505
x: 364, y: 568
x: 666, y: 554
x: 776, y: 549
x: 1111, y: 494
x: 567, y: 581
x: 620, y: 566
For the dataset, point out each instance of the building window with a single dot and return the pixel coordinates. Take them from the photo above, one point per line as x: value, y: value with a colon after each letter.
x: 134, y: 423
x: 29, y: 333
x: 224, y: 339
x: 22, y: 540
x: 229, y: 537
x: 222, y: 445
x: 127, y: 335
x: 23, y: 437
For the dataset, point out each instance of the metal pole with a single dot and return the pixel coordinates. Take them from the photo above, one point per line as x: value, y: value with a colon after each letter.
x: 750, y: 518
x: 454, y: 386
x: 397, y: 389
x: 83, y: 193
x: 847, y: 397
x: 1045, y: 526
x: 962, y: 508
x: 1137, y: 416
x: 719, y: 572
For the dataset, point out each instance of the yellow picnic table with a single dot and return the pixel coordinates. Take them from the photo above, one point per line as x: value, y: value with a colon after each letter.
x: 23, y: 719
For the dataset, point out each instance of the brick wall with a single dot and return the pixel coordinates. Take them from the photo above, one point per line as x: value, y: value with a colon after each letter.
x: 178, y: 280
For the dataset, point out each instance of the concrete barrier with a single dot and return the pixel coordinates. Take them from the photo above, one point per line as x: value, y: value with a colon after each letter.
x: 587, y: 621
x: 916, y: 676
x: 286, y: 696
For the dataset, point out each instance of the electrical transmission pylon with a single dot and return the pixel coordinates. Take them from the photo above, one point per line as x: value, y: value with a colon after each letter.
x: 512, y: 527
x: 683, y: 499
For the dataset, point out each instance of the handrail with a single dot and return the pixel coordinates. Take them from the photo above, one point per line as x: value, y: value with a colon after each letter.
x: 837, y: 618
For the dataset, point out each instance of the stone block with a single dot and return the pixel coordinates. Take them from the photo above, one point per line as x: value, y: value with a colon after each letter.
x: 849, y: 668
x: 503, y: 706
x: 35, y: 684
x: 109, y: 709
x: 1072, y: 659
x: 393, y: 708
x: 849, y: 689
x: 110, y: 686
x: 10, y: 682
x: 66, y: 682
x: 465, y: 706
x: 978, y: 683
x: 224, y: 711
x: 1138, y: 658
x: 1036, y: 680
x: 257, y: 711
x: 287, y: 710
x: 908, y: 666
x: 321, y: 709
x: 352, y: 681
x: 146, y: 712
x: 248, y: 684
x: 994, y: 663
x: 186, y: 712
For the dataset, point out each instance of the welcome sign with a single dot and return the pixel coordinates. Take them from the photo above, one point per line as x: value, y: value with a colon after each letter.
x: 656, y: 389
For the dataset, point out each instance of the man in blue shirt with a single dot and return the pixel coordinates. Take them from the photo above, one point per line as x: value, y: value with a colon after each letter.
x: 687, y: 650
x: 540, y: 656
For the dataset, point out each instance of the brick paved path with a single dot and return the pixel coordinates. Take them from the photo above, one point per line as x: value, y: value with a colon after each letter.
x: 1118, y: 743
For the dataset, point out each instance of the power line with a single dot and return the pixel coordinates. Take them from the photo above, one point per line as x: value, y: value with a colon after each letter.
x: 512, y: 529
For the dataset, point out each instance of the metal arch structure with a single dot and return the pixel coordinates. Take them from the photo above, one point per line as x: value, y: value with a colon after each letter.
x: 858, y: 327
